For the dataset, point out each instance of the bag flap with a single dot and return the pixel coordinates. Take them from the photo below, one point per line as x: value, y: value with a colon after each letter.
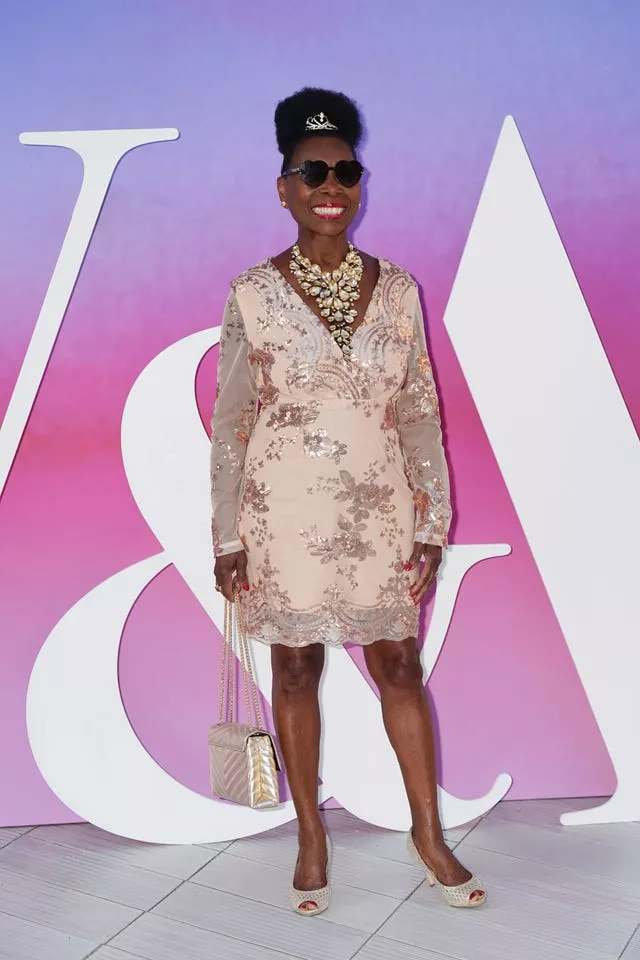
x: 231, y: 736
x: 234, y: 736
x: 256, y: 732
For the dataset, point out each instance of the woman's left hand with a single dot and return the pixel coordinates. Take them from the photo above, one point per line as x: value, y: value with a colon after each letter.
x: 432, y: 555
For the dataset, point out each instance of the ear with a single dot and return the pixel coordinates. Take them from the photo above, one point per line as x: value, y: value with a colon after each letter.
x: 281, y: 185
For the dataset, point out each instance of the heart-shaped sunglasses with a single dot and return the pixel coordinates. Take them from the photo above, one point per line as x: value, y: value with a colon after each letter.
x: 313, y: 173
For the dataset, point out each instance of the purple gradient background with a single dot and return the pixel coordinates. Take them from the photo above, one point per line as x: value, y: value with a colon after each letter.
x: 435, y: 80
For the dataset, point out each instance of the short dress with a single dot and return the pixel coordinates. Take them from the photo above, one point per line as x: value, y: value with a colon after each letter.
x: 326, y: 470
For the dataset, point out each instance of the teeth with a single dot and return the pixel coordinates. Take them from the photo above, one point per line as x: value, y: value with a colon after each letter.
x: 329, y: 211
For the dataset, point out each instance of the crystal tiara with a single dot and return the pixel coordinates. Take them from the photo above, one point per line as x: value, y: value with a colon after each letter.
x: 319, y: 122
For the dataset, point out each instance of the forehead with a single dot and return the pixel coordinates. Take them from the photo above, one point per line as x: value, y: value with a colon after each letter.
x: 330, y: 149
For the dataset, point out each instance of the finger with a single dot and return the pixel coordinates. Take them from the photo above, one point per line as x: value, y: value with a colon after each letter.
x: 425, y: 582
x: 422, y: 592
x: 417, y: 589
x: 225, y: 582
x: 241, y: 571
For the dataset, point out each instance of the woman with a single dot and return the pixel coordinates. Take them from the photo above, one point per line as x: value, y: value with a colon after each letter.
x: 329, y: 481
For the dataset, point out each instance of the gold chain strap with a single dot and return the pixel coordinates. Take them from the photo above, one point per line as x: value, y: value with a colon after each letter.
x: 227, y: 666
x: 247, y: 671
x: 235, y: 627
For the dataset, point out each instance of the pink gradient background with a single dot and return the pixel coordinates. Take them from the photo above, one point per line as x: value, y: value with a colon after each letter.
x: 181, y: 219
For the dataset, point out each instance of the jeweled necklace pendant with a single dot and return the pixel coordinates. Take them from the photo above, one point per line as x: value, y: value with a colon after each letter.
x: 335, y: 292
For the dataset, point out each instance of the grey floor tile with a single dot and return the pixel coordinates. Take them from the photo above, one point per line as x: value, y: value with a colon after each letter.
x: 354, y: 868
x: 93, y: 873
x: 351, y: 833
x: 559, y: 884
x: 554, y: 919
x: 180, y: 860
x: 610, y: 850
x: 7, y: 834
x: 157, y: 938
x: 545, y: 814
x: 217, y: 847
x: 67, y: 910
x: 260, y: 924
x: 456, y: 834
x: 378, y: 948
x: 348, y: 831
x: 350, y: 906
x: 22, y: 940
x: 465, y: 935
x: 632, y: 951
x: 110, y: 953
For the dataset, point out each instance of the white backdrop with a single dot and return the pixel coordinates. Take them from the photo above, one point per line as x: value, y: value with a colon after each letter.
x: 558, y: 427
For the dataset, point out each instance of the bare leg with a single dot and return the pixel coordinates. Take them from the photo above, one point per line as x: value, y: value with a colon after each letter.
x: 395, y: 668
x: 296, y: 675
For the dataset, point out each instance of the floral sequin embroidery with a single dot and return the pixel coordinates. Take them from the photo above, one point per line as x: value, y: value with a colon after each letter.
x: 433, y: 512
x: 389, y: 420
x: 255, y: 495
x: 423, y: 399
x: 255, y: 506
x: 316, y: 443
x: 365, y: 496
x: 292, y: 415
x: 245, y: 423
x: 276, y: 447
x: 348, y: 542
x: 265, y: 359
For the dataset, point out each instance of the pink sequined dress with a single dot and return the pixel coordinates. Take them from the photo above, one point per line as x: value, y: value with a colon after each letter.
x: 326, y: 470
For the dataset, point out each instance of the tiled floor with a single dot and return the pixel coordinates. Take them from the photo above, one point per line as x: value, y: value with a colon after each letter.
x: 72, y: 892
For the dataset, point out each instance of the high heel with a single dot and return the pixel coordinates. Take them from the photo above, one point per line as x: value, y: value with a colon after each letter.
x: 456, y: 896
x: 321, y: 897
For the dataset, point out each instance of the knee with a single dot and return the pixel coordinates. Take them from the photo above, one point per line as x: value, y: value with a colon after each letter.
x: 400, y: 669
x: 298, y: 670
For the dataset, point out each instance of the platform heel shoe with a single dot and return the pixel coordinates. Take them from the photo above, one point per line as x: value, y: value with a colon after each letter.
x: 321, y: 897
x: 459, y: 896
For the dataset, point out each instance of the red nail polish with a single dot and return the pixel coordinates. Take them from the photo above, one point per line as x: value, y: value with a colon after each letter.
x: 245, y: 586
x: 408, y: 566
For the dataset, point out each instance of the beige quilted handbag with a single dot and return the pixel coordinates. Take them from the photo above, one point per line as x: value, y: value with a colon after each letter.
x: 242, y: 756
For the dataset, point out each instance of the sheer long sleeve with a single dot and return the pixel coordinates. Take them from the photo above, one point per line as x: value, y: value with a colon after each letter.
x: 421, y: 438
x: 234, y: 416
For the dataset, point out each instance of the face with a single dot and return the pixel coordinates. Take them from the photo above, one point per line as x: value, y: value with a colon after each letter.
x: 329, y: 208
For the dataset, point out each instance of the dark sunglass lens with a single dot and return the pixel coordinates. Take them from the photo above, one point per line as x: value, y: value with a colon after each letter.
x: 313, y: 172
x: 348, y: 172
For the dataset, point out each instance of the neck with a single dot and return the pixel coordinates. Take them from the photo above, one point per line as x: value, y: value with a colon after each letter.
x: 327, y: 252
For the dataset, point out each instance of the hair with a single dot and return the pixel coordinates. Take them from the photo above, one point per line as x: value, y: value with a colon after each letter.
x: 292, y: 114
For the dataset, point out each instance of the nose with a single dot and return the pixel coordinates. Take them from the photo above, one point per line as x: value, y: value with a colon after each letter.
x: 332, y: 185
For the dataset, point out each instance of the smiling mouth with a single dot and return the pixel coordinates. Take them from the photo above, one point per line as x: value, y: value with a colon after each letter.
x: 329, y: 212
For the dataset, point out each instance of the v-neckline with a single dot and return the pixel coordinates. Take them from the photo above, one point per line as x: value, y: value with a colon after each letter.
x: 372, y: 299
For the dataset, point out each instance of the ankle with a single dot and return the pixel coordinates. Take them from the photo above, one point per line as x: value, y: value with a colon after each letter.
x: 429, y: 834
x: 311, y: 831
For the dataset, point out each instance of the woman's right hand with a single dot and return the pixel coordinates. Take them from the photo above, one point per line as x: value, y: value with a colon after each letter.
x: 233, y: 564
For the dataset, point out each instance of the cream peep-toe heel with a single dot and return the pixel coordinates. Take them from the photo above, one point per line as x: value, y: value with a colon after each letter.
x: 321, y: 897
x: 455, y: 896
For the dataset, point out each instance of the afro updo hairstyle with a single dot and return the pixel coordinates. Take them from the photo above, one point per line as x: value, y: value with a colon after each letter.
x: 292, y: 114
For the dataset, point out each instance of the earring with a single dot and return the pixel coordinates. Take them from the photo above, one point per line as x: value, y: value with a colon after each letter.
x: 283, y: 203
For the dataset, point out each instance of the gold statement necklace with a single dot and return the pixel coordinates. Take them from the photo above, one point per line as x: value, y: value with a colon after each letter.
x: 335, y: 292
